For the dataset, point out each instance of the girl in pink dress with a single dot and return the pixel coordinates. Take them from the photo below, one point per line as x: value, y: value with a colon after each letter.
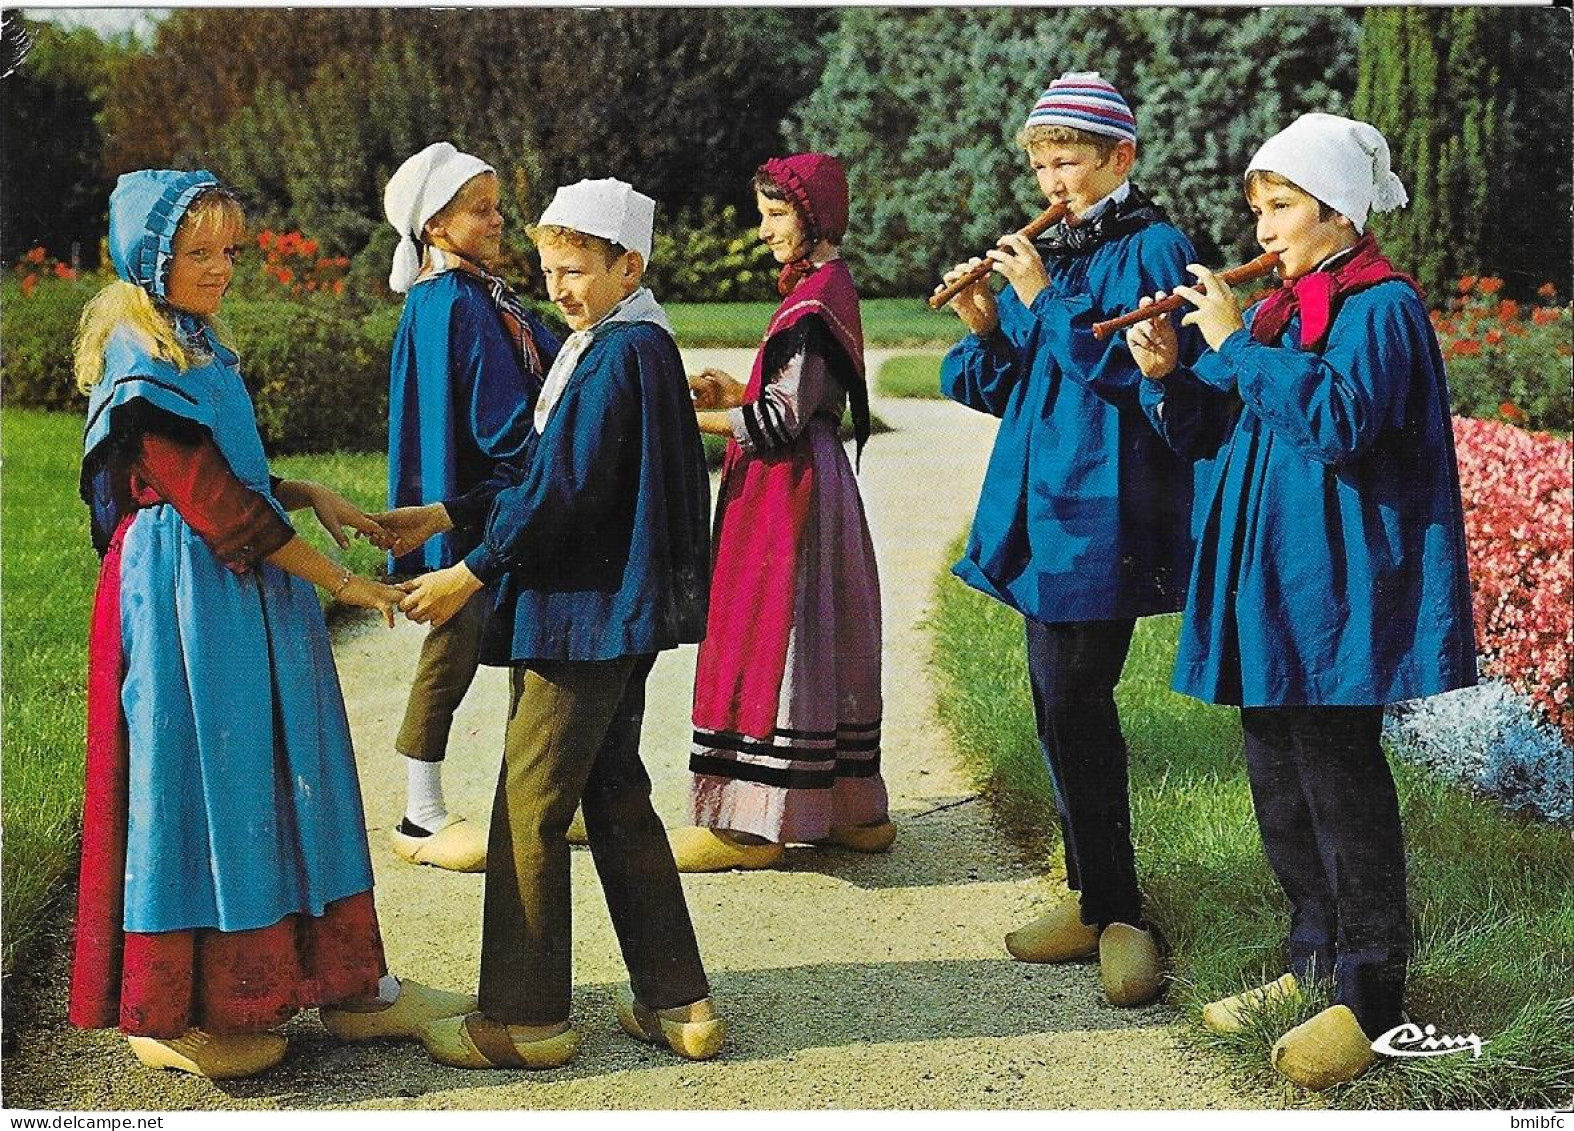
x: 787, y: 704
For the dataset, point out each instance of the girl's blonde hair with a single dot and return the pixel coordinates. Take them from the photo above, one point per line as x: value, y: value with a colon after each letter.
x: 126, y: 304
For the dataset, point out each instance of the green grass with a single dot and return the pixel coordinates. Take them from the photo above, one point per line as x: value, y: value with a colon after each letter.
x: 911, y: 375
x: 887, y: 322
x: 49, y: 571
x: 1492, y: 894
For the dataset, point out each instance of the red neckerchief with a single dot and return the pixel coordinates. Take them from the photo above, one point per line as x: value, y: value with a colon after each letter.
x: 794, y: 273
x: 1317, y: 294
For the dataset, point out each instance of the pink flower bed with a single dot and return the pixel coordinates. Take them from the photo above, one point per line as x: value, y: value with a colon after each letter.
x: 1518, y: 492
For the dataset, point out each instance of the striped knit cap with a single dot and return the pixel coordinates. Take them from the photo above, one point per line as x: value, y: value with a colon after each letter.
x: 1084, y: 101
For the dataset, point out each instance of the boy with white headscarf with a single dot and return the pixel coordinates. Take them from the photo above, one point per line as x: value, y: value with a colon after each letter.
x: 599, y: 541
x: 1329, y: 576
x: 467, y: 364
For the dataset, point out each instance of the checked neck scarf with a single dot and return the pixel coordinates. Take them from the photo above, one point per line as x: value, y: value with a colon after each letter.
x: 510, y: 311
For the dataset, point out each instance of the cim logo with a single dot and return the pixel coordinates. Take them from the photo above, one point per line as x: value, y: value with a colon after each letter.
x: 1409, y: 1039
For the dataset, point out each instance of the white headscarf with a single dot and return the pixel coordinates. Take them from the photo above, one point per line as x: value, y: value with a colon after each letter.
x: 1340, y: 161
x: 608, y: 208
x: 416, y: 192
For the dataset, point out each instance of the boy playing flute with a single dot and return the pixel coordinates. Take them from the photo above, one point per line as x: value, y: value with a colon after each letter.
x: 1330, y: 569
x: 1082, y: 522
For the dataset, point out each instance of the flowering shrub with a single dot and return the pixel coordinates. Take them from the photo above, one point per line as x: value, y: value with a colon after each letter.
x: 1489, y: 737
x: 291, y: 265
x: 39, y: 264
x: 1508, y: 360
x: 1518, y: 494
x: 709, y: 255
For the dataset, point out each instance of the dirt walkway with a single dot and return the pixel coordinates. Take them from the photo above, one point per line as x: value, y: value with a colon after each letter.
x: 849, y: 981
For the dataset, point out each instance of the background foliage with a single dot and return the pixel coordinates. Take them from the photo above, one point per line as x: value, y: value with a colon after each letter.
x: 307, y: 111
x: 1475, y: 104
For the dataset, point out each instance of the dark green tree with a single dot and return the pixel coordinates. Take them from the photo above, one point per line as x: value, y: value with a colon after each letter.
x: 55, y: 191
x: 925, y: 104
x: 1210, y: 86
x: 1430, y: 79
x: 922, y: 105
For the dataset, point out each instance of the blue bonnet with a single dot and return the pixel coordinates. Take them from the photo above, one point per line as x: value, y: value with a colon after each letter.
x: 144, y: 211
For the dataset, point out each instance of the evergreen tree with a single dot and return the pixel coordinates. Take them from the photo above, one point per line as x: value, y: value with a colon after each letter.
x: 1431, y: 80
x: 925, y: 105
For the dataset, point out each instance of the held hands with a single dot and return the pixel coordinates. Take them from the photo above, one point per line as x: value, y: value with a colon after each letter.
x: 335, y: 512
x: 1218, y: 313
x: 364, y: 593
x: 974, y: 305
x: 714, y: 389
x: 408, y: 528
x: 435, y: 597
x: 1153, y: 344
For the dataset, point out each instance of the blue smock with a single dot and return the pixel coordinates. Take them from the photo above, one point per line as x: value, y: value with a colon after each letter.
x: 458, y: 401
x: 244, y: 805
x: 1084, y: 508
x: 602, y: 542
x: 1330, y: 565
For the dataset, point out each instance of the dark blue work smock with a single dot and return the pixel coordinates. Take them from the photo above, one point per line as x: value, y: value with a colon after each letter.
x: 1083, y: 512
x: 458, y: 401
x: 602, y: 542
x: 1330, y: 565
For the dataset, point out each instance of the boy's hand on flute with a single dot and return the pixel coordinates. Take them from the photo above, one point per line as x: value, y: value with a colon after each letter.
x: 1018, y: 260
x: 434, y: 598
x: 1154, y: 345
x: 974, y: 305
x: 1218, y: 313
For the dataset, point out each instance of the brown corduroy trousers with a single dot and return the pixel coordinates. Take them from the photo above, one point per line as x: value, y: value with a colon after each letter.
x: 573, y: 740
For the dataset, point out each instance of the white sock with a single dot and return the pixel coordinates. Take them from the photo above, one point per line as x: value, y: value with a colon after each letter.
x: 388, y: 989
x: 424, y: 805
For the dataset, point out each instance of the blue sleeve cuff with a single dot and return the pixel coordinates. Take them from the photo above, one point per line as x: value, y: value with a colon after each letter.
x: 485, y: 564
x: 1219, y: 368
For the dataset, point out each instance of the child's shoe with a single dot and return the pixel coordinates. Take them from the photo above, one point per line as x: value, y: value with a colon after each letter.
x: 1129, y: 965
x: 876, y: 837
x: 458, y: 846
x: 696, y: 849
x: 215, y: 1056
x: 1058, y: 935
x: 1330, y: 1049
x: 476, y: 1041
x: 691, y: 1039
x: 1228, y: 1015
x: 403, y: 1017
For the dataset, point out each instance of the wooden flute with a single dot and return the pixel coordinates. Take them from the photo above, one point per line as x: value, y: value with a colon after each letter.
x: 1256, y: 269
x: 1040, y: 224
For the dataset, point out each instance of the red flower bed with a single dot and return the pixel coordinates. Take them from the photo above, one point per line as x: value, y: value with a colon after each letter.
x: 1518, y: 492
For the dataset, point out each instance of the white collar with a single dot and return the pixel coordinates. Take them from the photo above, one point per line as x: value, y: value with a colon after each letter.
x: 1115, y: 195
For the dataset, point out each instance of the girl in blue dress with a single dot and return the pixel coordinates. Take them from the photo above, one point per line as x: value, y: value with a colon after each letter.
x: 225, y: 877
x: 1329, y: 576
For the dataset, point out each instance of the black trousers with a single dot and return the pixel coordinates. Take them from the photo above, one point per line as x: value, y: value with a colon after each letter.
x: 1329, y: 817
x: 1074, y: 668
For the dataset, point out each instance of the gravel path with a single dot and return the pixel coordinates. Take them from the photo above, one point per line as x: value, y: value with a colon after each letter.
x: 848, y: 981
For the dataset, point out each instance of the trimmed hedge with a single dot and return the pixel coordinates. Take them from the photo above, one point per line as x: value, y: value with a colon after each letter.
x: 36, y: 331
x: 319, y: 379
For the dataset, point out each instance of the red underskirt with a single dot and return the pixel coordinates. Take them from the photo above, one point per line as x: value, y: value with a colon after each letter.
x: 160, y: 985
